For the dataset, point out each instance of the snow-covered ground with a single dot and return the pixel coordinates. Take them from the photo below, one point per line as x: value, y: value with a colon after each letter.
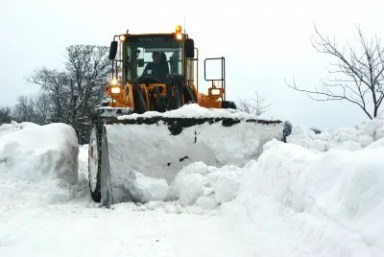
x: 318, y: 195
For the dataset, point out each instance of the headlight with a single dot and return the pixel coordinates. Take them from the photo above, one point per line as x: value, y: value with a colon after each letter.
x: 115, y: 90
x: 215, y: 91
x: 122, y: 38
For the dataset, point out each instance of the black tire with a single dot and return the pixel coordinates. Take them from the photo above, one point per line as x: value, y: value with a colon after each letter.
x: 228, y: 105
x: 94, y: 163
x: 287, y: 130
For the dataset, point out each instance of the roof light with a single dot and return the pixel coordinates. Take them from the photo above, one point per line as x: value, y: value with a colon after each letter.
x: 178, y: 29
x: 179, y: 36
x: 122, y: 38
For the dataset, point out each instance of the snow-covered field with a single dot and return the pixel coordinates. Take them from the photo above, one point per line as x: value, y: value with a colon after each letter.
x: 318, y: 195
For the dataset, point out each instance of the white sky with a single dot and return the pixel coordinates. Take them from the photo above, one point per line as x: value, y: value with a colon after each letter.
x: 264, y: 42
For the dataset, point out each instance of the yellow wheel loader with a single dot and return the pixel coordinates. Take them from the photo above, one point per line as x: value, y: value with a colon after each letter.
x: 154, y: 121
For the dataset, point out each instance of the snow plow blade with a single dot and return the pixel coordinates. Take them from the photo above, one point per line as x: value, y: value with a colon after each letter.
x: 143, y: 154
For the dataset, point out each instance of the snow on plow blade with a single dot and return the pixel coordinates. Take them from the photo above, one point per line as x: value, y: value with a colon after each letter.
x: 143, y: 154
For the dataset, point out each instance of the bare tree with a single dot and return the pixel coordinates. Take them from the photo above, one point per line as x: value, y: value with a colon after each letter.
x: 5, y: 115
x: 43, y: 108
x: 73, y: 93
x: 24, y: 109
x: 88, y: 68
x: 34, y: 108
x: 254, y: 105
x: 53, y: 84
x: 357, y: 74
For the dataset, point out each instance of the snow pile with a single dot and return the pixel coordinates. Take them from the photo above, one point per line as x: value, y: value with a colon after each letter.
x: 332, y: 201
x: 340, y: 183
x: 35, y: 160
x: 292, y: 201
x: 193, y: 111
x: 195, y: 185
x: 343, y: 138
x: 34, y: 152
x: 295, y: 201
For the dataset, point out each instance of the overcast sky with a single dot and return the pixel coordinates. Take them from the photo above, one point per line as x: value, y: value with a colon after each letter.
x: 264, y: 42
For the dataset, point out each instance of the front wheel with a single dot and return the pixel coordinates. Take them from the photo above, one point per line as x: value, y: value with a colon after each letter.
x: 228, y: 105
x: 94, y: 164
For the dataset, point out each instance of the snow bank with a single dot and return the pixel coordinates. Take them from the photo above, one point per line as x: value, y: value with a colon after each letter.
x: 342, y: 138
x: 296, y: 201
x: 335, y: 199
x: 37, y: 162
x: 284, y: 170
x: 33, y: 152
x: 293, y: 201
x: 341, y: 183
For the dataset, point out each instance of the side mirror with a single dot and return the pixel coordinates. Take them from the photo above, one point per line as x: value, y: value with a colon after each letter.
x: 112, y: 50
x: 214, y: 69
x: 140, y: 62
x: 189, y: 48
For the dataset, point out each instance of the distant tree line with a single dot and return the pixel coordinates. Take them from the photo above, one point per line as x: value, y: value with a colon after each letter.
x: 69, y: 95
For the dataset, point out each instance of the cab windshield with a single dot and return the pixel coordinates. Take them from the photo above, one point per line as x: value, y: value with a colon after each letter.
x: 153, y: 58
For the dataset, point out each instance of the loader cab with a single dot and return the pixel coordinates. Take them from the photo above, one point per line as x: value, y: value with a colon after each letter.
x: 134, y: 73
x: 136, y: 57
x: 152, y: 58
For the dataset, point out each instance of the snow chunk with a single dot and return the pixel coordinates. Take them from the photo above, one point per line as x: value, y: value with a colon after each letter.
x: 206, y: 202
x: 374, y: 128
x: 149, y: 189
x: 189, y: 187
x: 206, y: 186
x: 227, y: 186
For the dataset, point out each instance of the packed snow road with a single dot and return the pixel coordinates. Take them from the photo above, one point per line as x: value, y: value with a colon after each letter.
x: 126, y: 230
x: 320, y: 195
